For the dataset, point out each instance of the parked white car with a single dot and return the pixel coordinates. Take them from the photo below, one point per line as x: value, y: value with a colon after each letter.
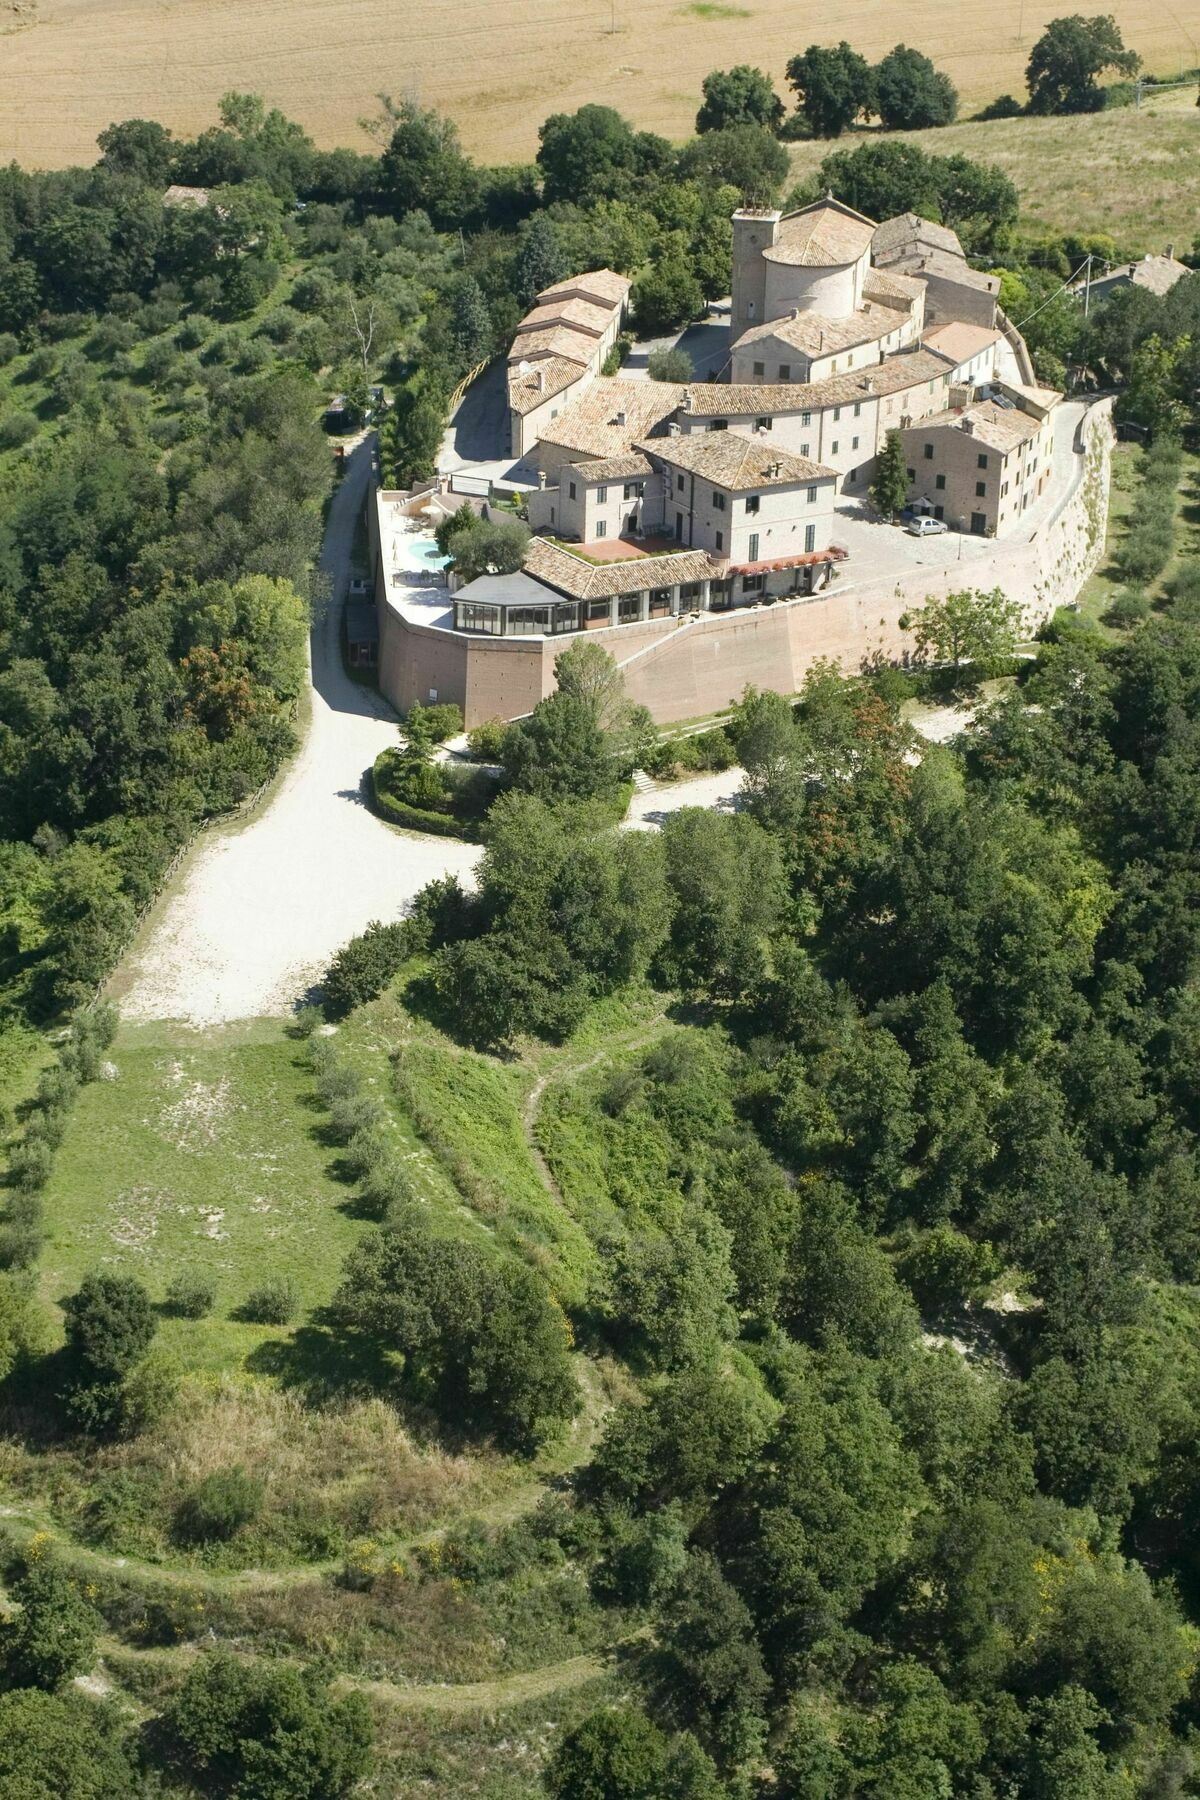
x: 925, y: 527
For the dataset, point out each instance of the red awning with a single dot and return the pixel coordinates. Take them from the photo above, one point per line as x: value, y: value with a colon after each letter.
x: 804, y: 560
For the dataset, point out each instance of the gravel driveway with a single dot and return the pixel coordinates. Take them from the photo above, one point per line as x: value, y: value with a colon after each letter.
x: 260, y: 906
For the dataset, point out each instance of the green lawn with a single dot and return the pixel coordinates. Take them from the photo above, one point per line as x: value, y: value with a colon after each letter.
x: 203, y: 1152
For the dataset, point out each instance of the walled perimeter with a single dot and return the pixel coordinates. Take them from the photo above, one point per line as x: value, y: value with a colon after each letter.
x: 686, y: 667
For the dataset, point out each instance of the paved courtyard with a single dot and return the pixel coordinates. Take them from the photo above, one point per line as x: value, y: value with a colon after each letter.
x: 878, y: 549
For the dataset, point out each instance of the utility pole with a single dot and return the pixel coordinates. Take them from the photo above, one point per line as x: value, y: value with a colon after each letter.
x: 1087, y: 286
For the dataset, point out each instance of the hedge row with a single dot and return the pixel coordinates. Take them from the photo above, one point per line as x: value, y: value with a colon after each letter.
x: 32, y: 1158
x: 358, y: 1123
x: 1149, y: 540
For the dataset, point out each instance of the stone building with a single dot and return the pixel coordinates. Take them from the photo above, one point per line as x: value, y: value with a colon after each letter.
x: 559, y: 347
x: 981, y: 464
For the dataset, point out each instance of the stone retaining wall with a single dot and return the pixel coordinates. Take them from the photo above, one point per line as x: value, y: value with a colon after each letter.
x: 684, y: 668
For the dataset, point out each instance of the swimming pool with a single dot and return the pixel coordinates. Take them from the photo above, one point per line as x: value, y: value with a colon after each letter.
x: 418, y: 553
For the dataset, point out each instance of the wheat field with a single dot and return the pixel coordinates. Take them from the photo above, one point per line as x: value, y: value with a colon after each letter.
x: 70, y: 67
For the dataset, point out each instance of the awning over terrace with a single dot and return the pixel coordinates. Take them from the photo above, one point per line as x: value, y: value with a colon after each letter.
x: 805, y: 559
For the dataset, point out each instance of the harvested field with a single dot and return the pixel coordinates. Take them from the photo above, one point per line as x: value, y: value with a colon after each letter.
x: 70, y: 67
x: 1133, y: 173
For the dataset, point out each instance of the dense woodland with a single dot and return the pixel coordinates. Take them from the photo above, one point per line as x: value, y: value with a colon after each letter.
x: 891, y: 1235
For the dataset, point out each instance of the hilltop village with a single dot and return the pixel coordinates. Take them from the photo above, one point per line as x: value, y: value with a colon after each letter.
x: 745, y: 497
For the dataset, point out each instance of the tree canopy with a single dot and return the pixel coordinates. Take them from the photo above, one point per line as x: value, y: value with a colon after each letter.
x: 1067, y: 58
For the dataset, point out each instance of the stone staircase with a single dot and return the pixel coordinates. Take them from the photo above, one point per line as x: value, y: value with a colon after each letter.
x: 642, y: 782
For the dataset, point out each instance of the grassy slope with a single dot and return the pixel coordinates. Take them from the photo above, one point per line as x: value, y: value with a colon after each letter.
x: 1134, y: 174
x: 204, y: 1152
x: 1102, y: 588
x: 200, y: 1124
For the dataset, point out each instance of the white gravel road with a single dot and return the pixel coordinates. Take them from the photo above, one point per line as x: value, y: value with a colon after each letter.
x: 260, y: 907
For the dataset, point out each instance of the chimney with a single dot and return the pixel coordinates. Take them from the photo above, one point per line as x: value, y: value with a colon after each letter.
x: 687, y: 400
x: 541, y: 478
x: 672, y: 428
x: 1169, y: 252
x: 620, y: 418
x: 968, y: 426
x: 539, y: 381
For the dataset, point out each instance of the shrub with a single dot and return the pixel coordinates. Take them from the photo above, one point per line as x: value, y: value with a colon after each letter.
x: 273, y: 1303
x: 148, y: 1394
x: 486, y: 741
x: 57, y: 1087
x: 336, y: 1080
x: 17, y: 429
x: 219, y: 1505
x: 24, y: 1208
x: 20, y: 1245
x: 9, y: 347
x: 352, y: 1114
x: 47, y: 1126
x: 434, y: 724
x: 386, y: 1188
x: 367, y: 1149
x: 191, y: 1295
x: 711, y: 750
x: 54, y: 1635
x: 1127, y: 609
x: 62, y: 1744
x: 1003, y: 107
x: 365, y: 966
x: 670, y: 365
x: 269, y: 1730
x: 306, y: 1021
x: 194, y: 331
x: 110, y: 1323
x: 29, y: 1164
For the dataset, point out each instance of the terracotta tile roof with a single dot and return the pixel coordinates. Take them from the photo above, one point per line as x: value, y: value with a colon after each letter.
x: 889, y: 285
x: 612, y: 414
x: 822, y: 236
x: 553, y: 340
x: 736, y: 462
x: 960, y: 341
x: 1042, y: 397
x: 907, y: 229
x: 584, y: 314
x: 614, y: 468
x: 557, y: 568
x: 817, y: 335
x: 1001, y: 428
x: 907, y: 369
x: 1157, y: 274
x: 557, y: 374
x: 603, y: 284
x: 918, y: 261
